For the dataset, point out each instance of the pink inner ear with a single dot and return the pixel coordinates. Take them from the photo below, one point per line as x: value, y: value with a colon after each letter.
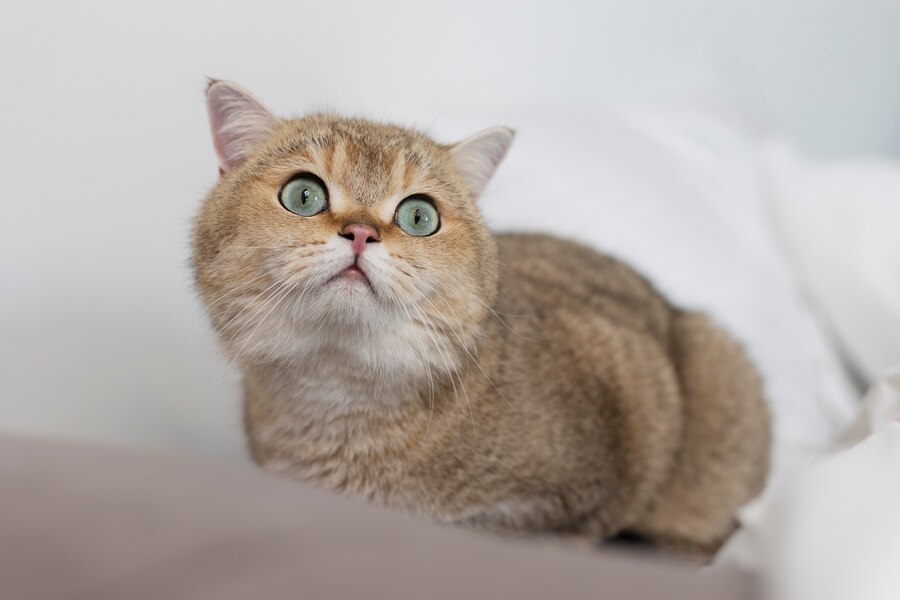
x: 239, y: 123
x: 477, y: 157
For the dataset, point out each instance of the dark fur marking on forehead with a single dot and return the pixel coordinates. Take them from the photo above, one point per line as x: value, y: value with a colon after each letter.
x: 364, y: 153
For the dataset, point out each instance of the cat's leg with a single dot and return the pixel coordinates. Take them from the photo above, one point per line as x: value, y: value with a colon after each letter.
x: 723, y: 458
x: 531, y: 515
x: 621, y: 428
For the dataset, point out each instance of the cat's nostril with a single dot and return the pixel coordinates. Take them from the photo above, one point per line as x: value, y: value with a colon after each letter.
x: 359, y: 235
x: 356, y: 231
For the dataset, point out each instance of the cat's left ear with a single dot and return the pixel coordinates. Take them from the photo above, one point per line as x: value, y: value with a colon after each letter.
x: 239, y: 122
x: 478, y: 156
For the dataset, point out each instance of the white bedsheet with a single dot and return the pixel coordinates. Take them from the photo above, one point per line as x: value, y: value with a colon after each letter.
x: 831, y: 531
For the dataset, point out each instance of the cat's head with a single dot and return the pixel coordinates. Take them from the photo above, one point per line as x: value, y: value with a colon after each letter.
x: 343, y: 236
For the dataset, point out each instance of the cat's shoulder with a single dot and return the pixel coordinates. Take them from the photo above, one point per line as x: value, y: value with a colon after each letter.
x: 570, y: 268
x: 547, y: 245
x: 535, y: 250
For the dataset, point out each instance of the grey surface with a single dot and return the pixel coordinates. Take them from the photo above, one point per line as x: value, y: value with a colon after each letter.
x: 87, y: 522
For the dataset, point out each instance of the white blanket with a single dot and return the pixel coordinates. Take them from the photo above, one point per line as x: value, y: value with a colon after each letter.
x: 839, y: 221
x: 831, y: 531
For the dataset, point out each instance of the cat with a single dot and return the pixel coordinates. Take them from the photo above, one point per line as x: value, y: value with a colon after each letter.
x: 392, y: 348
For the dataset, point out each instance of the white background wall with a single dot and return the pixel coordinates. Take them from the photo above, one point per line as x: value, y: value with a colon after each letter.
x: 824, y: 70
x: 104, y: 150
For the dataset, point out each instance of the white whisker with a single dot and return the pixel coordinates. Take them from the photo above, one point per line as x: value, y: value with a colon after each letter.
x: 234, y: 289
x: 477, y: 364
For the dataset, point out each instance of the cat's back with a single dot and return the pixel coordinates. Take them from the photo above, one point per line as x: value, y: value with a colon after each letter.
x: 541, y: 274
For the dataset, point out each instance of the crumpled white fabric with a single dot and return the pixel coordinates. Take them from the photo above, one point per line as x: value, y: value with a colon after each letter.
x: 831, y: 529
x: 837, y: 222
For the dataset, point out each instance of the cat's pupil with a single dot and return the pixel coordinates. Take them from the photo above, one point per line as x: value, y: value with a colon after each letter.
x: 418, y: 216
x: 305, y: 196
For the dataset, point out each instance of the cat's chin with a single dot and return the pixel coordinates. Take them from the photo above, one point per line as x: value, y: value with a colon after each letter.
x: 351, y: 291
x: 351, y: 299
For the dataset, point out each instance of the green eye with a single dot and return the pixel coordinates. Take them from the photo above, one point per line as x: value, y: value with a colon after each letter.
x: 417, y: 216
x: 305, y: 196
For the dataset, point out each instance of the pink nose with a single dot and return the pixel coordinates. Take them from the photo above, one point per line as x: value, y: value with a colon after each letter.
x: 359, y: 235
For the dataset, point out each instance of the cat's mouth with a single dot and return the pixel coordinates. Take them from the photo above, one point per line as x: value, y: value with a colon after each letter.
x: 353, y: 273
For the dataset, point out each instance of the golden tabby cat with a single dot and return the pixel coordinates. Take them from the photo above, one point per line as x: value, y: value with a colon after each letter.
x: 394, y: 349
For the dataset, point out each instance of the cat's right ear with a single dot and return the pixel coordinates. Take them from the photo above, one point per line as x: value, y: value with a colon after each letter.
x: 239, y: 122
x: 478, y: 156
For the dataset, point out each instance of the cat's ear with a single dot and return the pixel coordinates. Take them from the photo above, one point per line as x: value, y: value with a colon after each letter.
x: 478, y: 156
x: 239, y: 122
